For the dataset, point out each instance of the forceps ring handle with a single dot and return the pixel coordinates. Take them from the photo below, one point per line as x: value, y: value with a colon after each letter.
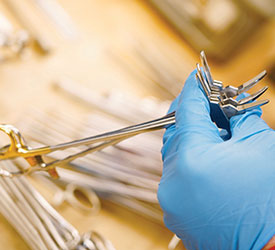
x: 18, y: 146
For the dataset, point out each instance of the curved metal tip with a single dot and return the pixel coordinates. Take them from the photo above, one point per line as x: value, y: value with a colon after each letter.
x: 206, y: 69
x: 252, y: 105
x: 252, y: 82
x: 260, y: 76
x: 198, y: 66
x: 253, y: 97
x: 202, y: 81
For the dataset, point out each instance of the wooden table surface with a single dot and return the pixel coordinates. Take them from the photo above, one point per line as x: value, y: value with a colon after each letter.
x: 104, y: 26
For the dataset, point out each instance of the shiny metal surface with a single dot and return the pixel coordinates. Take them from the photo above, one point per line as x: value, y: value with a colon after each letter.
x: 222, y: 104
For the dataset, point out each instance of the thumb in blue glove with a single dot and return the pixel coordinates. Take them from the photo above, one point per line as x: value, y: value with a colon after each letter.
x: 217, y: 194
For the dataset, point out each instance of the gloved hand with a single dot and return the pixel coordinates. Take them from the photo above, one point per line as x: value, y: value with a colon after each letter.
x: 217, y: 194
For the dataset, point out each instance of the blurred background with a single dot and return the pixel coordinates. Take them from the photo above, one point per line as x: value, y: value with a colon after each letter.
x: 70, y: 69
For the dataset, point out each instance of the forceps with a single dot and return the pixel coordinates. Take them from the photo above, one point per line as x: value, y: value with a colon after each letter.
x: 222, y: 107
x: 18, y: 147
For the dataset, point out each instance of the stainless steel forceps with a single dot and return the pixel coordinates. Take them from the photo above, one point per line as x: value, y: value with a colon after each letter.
x: 222, y: 107
x: 221, y: 99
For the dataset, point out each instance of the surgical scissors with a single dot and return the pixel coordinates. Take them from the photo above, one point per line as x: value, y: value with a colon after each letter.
x: 222, y: 107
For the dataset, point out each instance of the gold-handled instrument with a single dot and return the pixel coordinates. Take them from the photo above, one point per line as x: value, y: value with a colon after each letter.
x: 222, y: 107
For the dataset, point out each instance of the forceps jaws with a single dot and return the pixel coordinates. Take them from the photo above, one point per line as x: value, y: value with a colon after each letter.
x: 233, y: 91
x: 228, y: 91
x: 222, y: 104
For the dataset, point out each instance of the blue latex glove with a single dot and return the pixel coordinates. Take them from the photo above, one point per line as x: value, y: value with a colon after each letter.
x: 217, y: 194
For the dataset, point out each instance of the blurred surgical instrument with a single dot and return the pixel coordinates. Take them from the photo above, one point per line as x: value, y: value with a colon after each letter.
x: 35, y: 220
x: 58, y: 16
x: 12, y: 42
x: 40, y: 41
x: 90, y: 204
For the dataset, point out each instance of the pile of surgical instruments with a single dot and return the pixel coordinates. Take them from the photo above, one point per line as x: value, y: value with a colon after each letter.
x: 38, y: 223
x: 32, y: 34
